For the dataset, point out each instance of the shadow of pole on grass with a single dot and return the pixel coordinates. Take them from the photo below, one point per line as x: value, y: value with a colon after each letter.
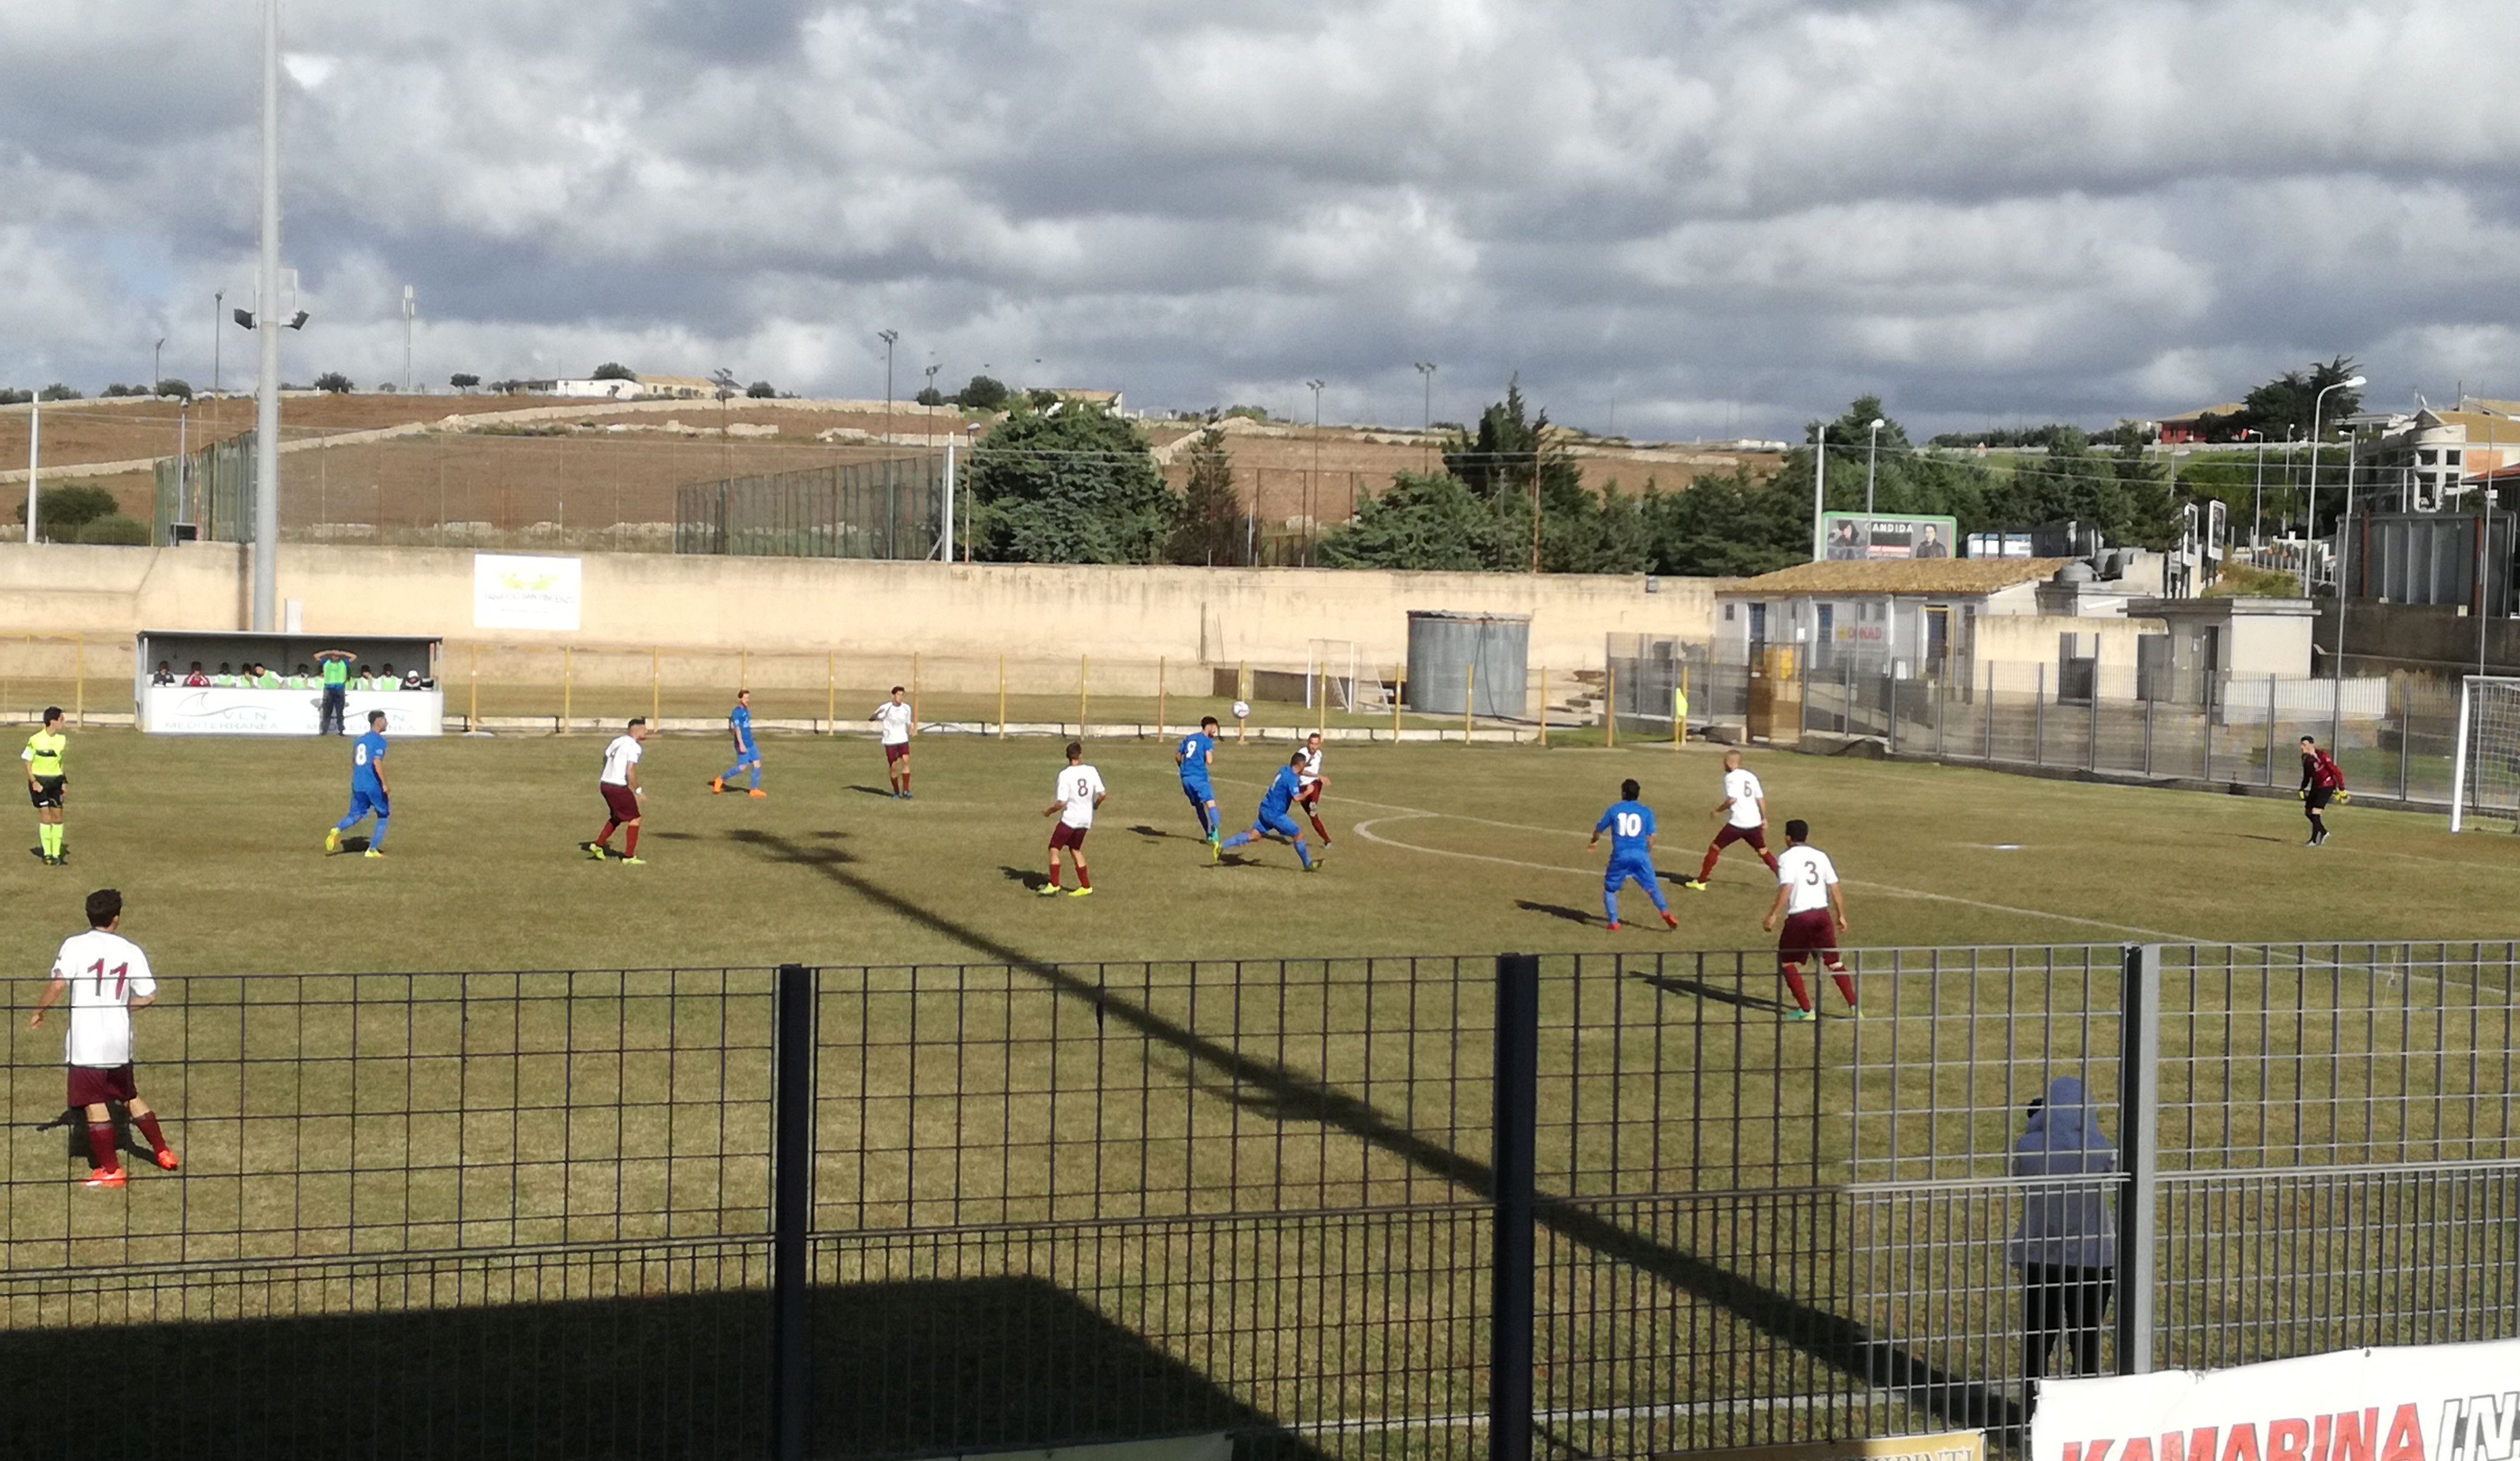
x: 1832, y: 1339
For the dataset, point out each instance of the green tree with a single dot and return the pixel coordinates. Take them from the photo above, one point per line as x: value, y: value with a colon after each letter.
x: 57, y: 392
x: 1213, y: 526
x: 613, y: 370
x: 462, y: 381
x: 982, y: 393
x: 334, y: 381
x: 1728, y: 525
x: 930, y: 395
x: 1078, y: 486
x: 1422, y: 520
x: 117, y: 390
x: 176, y: 386
x: 60, y: 511
x: 2283, y: 407
x: 117, y: 530
x: 760, y: 390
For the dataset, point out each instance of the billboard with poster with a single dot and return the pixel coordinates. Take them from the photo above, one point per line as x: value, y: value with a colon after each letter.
x: 1887, y: 535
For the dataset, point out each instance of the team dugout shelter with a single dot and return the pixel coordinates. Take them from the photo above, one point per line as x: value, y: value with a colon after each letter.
x: 234, y: 708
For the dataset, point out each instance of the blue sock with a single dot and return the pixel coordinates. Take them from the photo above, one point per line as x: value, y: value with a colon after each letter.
x: 756, y: 776
x: 728, y: 774
x: 1610, y: 905
x: 1303, y: 854
x: 346, y: 822
x: 376, y: 839
x: 1238, y: 839
x: 1655, y: 893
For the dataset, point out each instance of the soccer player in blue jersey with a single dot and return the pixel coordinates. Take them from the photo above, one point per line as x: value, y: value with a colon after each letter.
x: 1276, y: 815
x: 1193, y: 756
x: 368, y: 791
x: 747, y: 754
x: 1631, y: 826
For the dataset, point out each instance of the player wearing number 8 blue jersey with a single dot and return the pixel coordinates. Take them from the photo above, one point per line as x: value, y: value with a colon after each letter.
x: 748, y: 752
x: 1631, y: 826
x: 368, y: 791
x: 1196, y: 753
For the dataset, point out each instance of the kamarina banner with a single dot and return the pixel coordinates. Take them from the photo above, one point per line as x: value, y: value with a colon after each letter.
x: 2434, y: 1402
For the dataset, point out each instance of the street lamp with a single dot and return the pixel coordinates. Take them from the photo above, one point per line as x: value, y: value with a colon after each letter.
x: 2318, y: 402
x: 1427, y: 414
x: 1872, y: 455
x: 218, y: 318
x: 156, y: 364
x: 410, y: 312
x: 887, y: 337
x: 1312, y: 493
x: 2258, y: 495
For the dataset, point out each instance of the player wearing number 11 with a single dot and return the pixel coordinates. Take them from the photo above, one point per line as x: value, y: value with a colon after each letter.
x: 105, y: 977
x: 1631, y: 826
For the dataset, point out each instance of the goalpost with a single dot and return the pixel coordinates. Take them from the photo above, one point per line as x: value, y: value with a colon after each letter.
x: 1335, y: 669
x: 2485, y: 778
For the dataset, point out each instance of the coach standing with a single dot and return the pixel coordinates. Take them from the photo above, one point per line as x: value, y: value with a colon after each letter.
x: 2066, y: 1247
x: 334, y: 664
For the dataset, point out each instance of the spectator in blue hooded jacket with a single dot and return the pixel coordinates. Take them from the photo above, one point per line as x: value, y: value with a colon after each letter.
x: 2067, y: 1244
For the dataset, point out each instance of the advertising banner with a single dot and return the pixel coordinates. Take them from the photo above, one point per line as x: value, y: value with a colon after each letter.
x: 184, y: 710
x: 510, y: 592
x: 2434, y: 1402
x: 1883, y: 535
x: 1955, y: 1445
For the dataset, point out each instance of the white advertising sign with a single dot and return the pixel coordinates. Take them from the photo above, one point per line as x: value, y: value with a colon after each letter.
x: 510, y: 592
x: 183, y: 710
x: 2434, y: 1402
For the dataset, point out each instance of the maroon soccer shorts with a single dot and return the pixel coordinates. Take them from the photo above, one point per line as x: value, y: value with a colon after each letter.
x: 893, y: 752
x: 94, y: 1085
x: 1756, y: 836
x: 1310, y: 796
x: 1805, y: 934
x: 1063, y: 835
x: 620, y: 801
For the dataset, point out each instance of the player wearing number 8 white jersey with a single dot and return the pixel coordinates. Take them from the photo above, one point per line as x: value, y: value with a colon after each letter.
x: 1814, y: 914
x: 105, y: 977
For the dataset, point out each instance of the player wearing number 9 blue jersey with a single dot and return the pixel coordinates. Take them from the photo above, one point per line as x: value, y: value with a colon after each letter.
x: 1194, y: 755
x: 1631, y: 826
x: 368, y: 792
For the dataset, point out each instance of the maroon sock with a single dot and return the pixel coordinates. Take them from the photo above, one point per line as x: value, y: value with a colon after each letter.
x: 1319, y: 830
x: 1054, y: 874
x: 99, y: 1145
x: 630, y: 848
x: 1082, y: 880
x: 605, y: 838
x: 1706, y: 869
x: 1770, y: 858
x: 149, y: 1128
x: 1794, y: 981
x: 1845, y: 983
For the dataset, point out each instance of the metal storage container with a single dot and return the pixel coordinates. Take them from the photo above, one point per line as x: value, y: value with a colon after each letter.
x: 1457, y: 657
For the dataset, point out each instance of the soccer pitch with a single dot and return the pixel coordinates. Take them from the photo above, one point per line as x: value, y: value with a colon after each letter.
x: 1440, y: 849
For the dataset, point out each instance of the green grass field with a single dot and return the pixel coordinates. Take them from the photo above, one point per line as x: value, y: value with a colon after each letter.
x: 1453, y: 849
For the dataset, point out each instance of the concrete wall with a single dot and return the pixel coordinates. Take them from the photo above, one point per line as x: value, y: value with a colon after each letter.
x: 2416, y: 637
x: 951, y: 614
x: 2017, y: 645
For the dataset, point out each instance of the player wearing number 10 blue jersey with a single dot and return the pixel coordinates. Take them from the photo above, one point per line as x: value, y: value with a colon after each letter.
x: 1631, y: 826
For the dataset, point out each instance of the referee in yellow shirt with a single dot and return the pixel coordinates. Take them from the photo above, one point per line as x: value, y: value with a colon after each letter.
x: 44, y: 785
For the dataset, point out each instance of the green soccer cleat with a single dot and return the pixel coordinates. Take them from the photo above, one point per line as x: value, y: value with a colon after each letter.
x: 1797, y: 1016
x: 1693, y: 885
x: 332, y: 840
x: 1047, y: 890
x: 595, y: 852
x: 372, y: 853
x: 634, y: 861
x: 1080, y: 892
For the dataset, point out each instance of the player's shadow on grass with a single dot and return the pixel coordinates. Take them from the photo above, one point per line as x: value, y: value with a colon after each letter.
x: 350, y: 845
x: 1554, y: 910
x: 1673, y: 984
x: 882, y: 791
x: 1032, y: 878
x: 1844, y: 1343
x: 936, y: 1367
x: 1159, y: 833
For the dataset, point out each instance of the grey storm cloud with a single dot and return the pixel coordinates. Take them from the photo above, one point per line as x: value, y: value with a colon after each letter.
x: 1710, y: 217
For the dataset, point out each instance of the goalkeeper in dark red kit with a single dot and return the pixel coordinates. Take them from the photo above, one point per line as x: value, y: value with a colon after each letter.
x: 2323, y: 781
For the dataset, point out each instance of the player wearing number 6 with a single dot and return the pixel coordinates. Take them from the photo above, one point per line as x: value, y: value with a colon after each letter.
x: 1631, y: 826
x: 105, y: 977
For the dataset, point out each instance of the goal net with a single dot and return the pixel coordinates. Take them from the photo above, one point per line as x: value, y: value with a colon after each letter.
x: 1335, y: 673
x: 2485, y: 779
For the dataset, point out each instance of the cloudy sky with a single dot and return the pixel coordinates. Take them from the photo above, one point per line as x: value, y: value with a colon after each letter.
x: 1671, y: 217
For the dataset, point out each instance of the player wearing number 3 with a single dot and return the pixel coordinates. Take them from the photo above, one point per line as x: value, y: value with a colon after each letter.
x: 1815, y: 914
x: 105, y: 977
x: 1631, y: 826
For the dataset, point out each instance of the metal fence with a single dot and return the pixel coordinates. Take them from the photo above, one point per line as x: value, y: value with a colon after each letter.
x: 892, y: 508
x: 2396, y: 735
x: 1611, y: 1205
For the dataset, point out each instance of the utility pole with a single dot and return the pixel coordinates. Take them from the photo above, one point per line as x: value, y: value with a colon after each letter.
x: 34, y: 442
x: 410, y: 310
x: 218, y: 336
x: 887, y: 337
x: 156, y: 365
x: 266, y: 415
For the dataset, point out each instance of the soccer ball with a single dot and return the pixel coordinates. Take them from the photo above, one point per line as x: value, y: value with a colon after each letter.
x: 1241, y: 710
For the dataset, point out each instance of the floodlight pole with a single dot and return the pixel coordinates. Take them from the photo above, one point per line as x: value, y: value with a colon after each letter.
x: 410, y: 310
x: 887, y: 337
x: 35, y: 440
x: 266, y: 415
x: 1819, y: 495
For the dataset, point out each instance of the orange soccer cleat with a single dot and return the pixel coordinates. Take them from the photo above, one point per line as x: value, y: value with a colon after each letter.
x: 167, y: 1160
x: 105, y: 1177
x: 757, y: 791
x: 716, y: 784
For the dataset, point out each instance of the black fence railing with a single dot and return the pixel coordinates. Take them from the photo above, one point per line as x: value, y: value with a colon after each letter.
x: 1354, y: 1208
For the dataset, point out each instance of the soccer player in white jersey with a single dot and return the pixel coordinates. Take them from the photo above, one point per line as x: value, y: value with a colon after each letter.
x: 105, y: 977
x: 1814, y: 914
x: 1744, y: 809
x: 624, y: 799
x: 1312, y: 784
x: 894, y: 717
x: 1077, y: 792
